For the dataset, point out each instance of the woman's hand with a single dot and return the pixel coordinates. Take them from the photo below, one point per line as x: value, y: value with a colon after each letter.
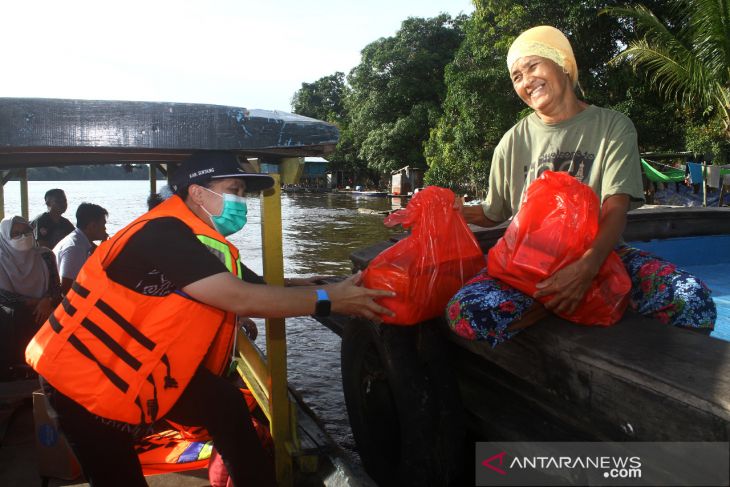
x: 43, y: 309
x: 458, y: 203
x: 568, y: 286
x: 350, y: 298
x: 473, y: 214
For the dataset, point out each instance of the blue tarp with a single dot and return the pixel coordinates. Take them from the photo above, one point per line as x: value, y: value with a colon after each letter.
x: 695, y: 172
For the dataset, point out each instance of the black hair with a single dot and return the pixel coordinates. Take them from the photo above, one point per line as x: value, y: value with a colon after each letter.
x: 153, y: 200
x: 89, y: 213
x: 54, y: 193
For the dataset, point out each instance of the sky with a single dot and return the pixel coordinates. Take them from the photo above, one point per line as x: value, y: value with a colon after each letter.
x: 252, y: 54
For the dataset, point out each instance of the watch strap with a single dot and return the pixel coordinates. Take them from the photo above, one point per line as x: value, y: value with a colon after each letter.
x: 324, y: 305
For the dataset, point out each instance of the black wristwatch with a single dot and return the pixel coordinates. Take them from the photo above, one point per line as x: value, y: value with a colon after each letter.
x: 324, y: 305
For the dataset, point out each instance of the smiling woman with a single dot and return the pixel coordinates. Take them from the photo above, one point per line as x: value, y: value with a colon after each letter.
x: 598, y: 147
x: 544, y: 73
x: 546, y: 88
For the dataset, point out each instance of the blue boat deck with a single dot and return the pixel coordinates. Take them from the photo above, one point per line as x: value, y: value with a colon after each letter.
x: 707, y: 258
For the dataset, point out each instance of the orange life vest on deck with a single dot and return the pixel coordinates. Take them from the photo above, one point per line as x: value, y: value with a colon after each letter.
x: 126, y: 356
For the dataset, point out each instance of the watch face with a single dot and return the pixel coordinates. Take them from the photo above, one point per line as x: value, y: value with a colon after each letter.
x: 323, y: 308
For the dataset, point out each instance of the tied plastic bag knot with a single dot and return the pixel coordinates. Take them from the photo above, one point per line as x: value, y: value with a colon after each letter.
x: 556, y: 225
x: 427, y: 267
x: 439, y: 203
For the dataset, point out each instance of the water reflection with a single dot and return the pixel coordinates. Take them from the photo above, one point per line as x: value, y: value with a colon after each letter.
x: 321, y: 231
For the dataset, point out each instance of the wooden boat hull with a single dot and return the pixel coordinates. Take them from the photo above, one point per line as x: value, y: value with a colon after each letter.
x: 638, y: 380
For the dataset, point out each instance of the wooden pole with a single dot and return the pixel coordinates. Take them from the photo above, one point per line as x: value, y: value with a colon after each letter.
x: 704, y: 182
x: 4, y: 178
x: 2, y: 197
x: 23, y: 173
x: 153, y: 178
x: 273, y: 256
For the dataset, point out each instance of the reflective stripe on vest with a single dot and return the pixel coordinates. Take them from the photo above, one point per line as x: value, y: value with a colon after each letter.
x: 221, y: 250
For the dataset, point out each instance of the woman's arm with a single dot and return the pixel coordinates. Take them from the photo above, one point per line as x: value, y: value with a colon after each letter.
x: 225, y: 291
x: 11, y: 299
x: 569, y: 285
x: 475, y: 215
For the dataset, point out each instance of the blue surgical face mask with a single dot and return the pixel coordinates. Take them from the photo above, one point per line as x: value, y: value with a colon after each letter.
x: 233, y: 214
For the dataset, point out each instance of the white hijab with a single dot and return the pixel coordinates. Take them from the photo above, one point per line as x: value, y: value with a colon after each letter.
x: 21, y: 271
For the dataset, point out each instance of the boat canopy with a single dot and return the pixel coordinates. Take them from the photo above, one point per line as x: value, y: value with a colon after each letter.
x: 51, y: 132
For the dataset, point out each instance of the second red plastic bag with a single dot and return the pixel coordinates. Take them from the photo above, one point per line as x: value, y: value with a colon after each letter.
x: 556, y: 224
x: 427, y: 267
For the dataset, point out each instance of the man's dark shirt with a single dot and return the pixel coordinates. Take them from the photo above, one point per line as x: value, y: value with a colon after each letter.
x: 50, y: 232
x: 165, y: 256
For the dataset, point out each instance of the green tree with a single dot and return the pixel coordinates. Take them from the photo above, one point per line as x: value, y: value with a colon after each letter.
x: 398, y: 89
x: 687, y: 58
x: 479, y: 107
x: 685, y: 55
x: 324, y: 99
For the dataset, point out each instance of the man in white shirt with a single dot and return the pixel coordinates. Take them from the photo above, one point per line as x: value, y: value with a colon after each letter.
x: 74, y: 249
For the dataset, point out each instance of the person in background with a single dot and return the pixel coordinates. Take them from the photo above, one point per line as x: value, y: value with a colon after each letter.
x: 153, y: 200
x: 598, y: 147
x: 29, y: 287
x: 73, y: 250
x: 50, y: 227
x: 147, y: 330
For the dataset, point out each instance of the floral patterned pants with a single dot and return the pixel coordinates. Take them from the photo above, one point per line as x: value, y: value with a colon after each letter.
x: 485, y: 307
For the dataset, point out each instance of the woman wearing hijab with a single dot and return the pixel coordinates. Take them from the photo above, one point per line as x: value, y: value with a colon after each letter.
x: 597, y: 146
x: 29, y: 286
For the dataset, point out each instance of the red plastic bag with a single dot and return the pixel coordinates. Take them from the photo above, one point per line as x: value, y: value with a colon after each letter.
x: 556, y: 224
x: 427, y: 267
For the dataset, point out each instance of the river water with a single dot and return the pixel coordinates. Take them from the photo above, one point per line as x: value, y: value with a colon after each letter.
x: 320, y: 231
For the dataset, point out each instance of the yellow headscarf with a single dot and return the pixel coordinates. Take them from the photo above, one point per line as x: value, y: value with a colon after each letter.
x: 548, y: 42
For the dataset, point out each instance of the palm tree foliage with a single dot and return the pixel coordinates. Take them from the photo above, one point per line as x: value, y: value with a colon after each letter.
x: 685, y: 56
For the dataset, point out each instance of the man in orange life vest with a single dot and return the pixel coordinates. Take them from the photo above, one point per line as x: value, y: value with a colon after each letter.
x: 147, y: 329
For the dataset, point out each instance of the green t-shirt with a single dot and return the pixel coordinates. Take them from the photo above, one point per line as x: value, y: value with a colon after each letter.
x: 598, y: 146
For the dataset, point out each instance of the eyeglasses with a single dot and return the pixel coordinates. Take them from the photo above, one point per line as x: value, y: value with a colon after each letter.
x: 17, y: 235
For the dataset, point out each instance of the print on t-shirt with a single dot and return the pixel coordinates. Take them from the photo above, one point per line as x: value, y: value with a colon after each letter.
x: 155, y: 283
x: 576, y: 163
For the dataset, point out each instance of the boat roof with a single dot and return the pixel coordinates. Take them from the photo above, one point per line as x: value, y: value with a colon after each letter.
x: 51, y: 132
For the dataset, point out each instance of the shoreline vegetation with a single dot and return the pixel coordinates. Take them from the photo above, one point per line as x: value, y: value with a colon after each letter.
x: 90, y: 173
x: 437, y: 96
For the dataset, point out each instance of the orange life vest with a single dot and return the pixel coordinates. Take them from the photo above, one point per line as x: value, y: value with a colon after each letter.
x: 124, y: 355
x: 188, y: 448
